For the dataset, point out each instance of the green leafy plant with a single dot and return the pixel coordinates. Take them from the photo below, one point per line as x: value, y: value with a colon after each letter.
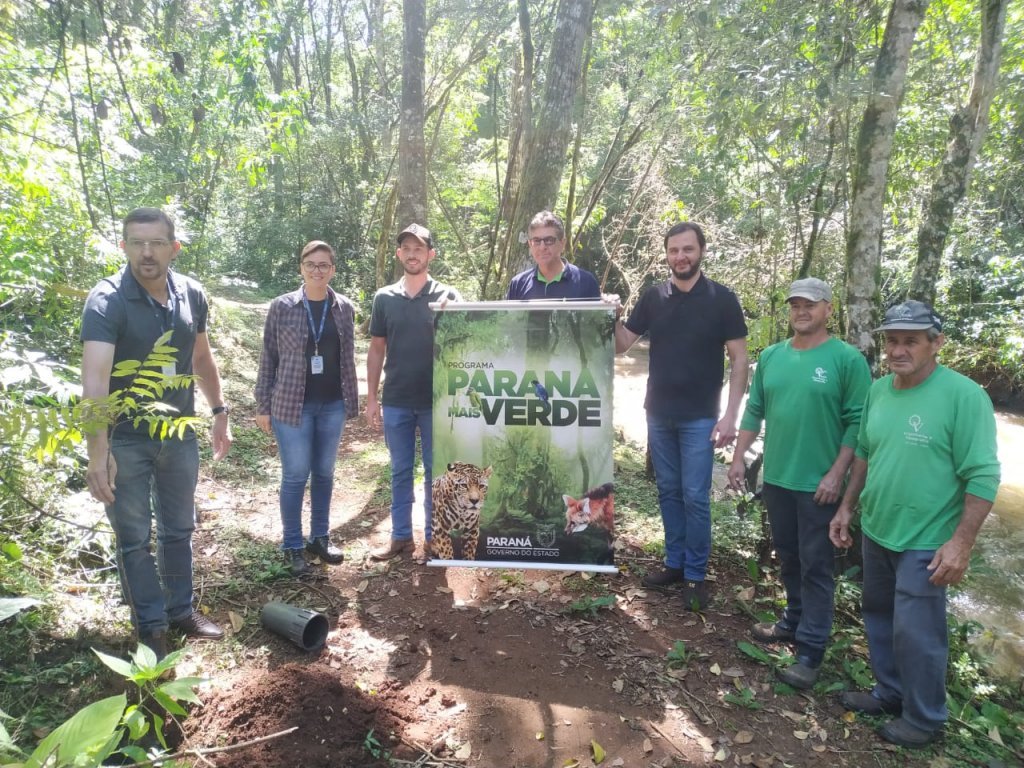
x: 93, y: 734
x: 744, y: 697
x: 678, y: 655
x: 374, y: 748
x: 591, y: 605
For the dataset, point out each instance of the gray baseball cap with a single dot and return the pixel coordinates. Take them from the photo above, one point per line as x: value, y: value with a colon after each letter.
x: 421, y: 233
x: 911, y: 315
x: 810, y: 288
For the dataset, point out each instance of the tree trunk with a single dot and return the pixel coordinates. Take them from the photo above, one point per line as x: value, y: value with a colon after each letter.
x: 412, y: 151
x: 967, y: 128
x: 874, y: 148
x: 546, y: 151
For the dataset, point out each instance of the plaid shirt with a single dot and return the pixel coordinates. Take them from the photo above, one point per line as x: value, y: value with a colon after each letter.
x: 281, y: 383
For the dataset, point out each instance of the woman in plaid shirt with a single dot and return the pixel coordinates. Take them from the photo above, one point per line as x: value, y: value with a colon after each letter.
x: 305, y: 391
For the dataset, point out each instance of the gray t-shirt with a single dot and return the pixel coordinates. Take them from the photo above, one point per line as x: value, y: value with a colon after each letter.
x: 119, y: 311
x: 408, y: 324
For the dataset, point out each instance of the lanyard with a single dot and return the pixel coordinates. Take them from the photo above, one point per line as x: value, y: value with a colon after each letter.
x: 323, y: 318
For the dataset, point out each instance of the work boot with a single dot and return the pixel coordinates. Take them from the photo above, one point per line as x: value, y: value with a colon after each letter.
x: 903, y: 734
x: 321, y: 547
x: 424, y: 556
x: 695, y: 596
x: 297, y: 563
x: 197, y: 626
x: 393, y: 549
x: 799, y: 675
x: 772, y: 633
x: 867, y: 703
x: 663, y: 578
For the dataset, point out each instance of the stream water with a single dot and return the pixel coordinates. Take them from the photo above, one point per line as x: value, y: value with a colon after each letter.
x: 993, y: 593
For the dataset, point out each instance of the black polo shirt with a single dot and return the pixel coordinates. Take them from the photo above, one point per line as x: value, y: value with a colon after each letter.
x: 688, y: 332
x: 408, y: 324
x: 119, y: 311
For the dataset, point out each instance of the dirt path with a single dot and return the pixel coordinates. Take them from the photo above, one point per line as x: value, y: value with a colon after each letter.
x: 462, y: 667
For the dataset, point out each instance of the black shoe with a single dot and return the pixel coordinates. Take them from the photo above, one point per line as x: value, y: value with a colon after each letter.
x: 321, y: 547
x: 663, y: 578
x: 297, y: 563
x: 799, y: 675
x: 198, y: 626
x: 772, y: 633
x: 695, y: 596
x: 867, y: 703
x: 903, y: 734
x: 156, y: 642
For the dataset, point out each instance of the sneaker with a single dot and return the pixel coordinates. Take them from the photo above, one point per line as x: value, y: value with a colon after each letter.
x: 155, y: 641
x: 903, y: 734
x: 799, y: 675
x: 321, y: 547
x: 772, y: 633
x: 394, y: 549
x: 297, y: 563
x: 662, y: 578
x: 198, y: 626
x: 695, y: 596
x: 867, y: 703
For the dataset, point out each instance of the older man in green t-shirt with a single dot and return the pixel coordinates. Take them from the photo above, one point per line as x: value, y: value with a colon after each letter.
x: 808, y: 391
x: 925, y: 474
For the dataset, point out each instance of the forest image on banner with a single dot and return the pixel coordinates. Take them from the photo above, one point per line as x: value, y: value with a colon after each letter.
x: 523, y: 435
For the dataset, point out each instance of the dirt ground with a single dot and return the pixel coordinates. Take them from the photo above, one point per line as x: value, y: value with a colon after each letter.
x: 433, y: 666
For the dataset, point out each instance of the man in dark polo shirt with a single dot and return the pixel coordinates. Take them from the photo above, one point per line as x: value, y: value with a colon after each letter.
x: 139, y: 477
x: 553, y: 277
x: 402, y: 346
x: 693, y: 323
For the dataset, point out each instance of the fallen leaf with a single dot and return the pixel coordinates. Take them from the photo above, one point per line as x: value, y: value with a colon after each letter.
x: 445, y: 590
x: 849, y: 717
x: 617, y: 685
x: 598, y: 752
x: 801, y: 734
x: 362, y: 585
x: 733, y: 672
x: 393, y: 593
x: 540, y: 587
x: 796, y: 717
x: 567, y: 722
x: 648, y: 747
x: 721, y: 754
x: 571, y: 762
x: 618, y: 761
x: 540, y: 736
x: 237, y: 622
x: 994, y: 735
x: 743, y: 737
x: 715, y: 669
x: 819, y: 747
x: 464, y: 752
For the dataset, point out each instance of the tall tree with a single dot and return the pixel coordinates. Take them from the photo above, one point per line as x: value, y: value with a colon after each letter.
x: 412, y: 151
x: 549, y: 142
x: 967, y: 128
x: 874, y: 148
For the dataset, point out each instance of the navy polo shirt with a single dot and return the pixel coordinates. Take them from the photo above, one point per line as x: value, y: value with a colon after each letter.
x: 408, y: 324
x: 119, y: 311
x: 688, y: 331
x: 574, y: 283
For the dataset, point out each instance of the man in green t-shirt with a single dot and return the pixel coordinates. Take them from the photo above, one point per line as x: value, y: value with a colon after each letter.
x: 925, y: 475
x: 808, y: 390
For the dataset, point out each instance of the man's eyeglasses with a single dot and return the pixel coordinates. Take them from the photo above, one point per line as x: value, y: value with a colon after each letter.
x: 157, y: 245
x: 309, y: 266
x: 549, y: 240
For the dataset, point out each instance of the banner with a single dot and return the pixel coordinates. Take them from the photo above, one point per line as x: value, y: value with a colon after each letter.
x: 522, y: 443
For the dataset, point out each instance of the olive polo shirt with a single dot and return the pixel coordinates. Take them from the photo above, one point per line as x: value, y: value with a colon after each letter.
x: 407, y: 322
x: 688, y: 331
x: 119, y: 311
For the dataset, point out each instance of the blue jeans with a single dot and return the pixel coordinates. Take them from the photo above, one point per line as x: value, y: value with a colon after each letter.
x: 308, y: 452
x: 905, y: 619
x: 156, y: 479
x: 400, y: 435
x: 683, y: 454
x: 806, y: 566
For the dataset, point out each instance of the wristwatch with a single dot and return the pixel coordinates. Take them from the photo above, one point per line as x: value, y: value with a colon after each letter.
x: 225, y: 409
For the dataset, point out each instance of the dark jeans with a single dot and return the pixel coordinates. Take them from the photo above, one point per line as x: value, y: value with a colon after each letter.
x: 806, y: 565
x: 905, y: 619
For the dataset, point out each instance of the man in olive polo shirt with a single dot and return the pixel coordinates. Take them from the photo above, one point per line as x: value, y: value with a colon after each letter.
x: 402, y: 347
x: 553, y: 277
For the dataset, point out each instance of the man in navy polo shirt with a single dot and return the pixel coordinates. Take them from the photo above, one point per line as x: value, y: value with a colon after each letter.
x: 693, y: 323
x: 553, y: 277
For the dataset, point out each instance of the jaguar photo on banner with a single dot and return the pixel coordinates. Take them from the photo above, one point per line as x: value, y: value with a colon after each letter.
x: 523, y: 435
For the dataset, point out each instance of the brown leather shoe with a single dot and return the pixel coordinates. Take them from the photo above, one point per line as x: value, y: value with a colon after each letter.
x: 394, y: 549
x: 197, y: 626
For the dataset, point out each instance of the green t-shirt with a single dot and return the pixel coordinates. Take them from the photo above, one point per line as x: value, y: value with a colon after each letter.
x: 810, y: 401
x: 925, y: 447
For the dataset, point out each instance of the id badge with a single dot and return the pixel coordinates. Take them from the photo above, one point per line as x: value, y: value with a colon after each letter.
x: 169, y: 370
x: 316, y: 364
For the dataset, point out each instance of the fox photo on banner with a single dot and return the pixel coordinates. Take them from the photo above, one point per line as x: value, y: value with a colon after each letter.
x: 523, y: 435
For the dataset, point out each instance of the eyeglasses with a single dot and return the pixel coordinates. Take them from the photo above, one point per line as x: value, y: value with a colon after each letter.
x: 139, y: 245
x: 549, y: 240
x: 309, y: 266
